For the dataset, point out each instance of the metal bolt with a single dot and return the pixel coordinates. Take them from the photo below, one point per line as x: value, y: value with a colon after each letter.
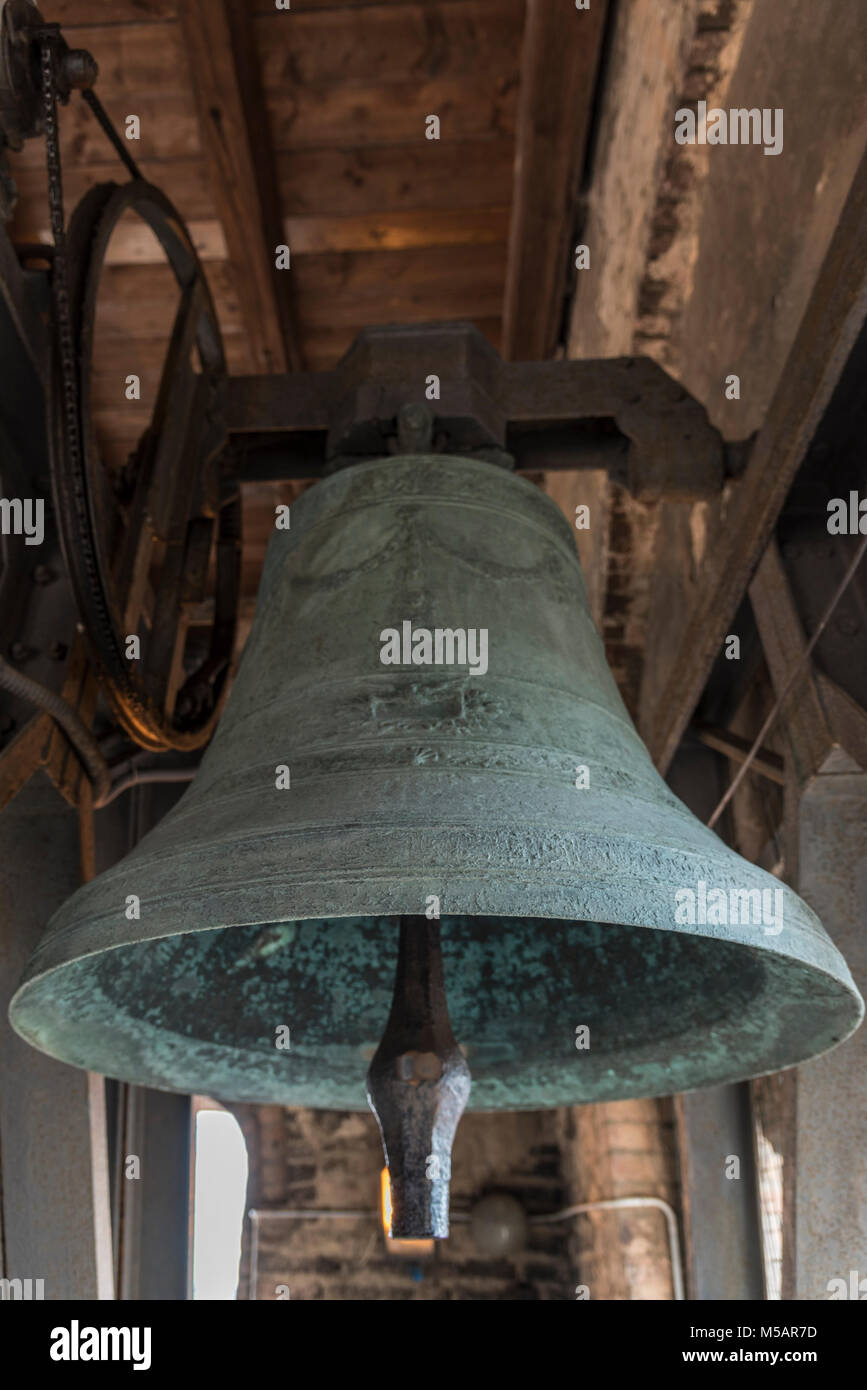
x: 79, y: 68
x: 18, y: 651
x: 414, y: 428
x: 43, y: 575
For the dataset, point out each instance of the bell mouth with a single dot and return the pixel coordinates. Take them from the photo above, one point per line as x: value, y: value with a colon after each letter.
x: 664, y: 1011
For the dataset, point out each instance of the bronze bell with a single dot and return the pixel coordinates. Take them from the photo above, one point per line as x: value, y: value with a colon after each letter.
x: 424, y: 727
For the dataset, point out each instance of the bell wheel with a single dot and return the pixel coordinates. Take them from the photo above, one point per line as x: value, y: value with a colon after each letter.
x: 151, y: 537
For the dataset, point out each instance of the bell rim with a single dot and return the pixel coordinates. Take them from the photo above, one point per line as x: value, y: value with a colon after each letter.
x: 837, y: 1021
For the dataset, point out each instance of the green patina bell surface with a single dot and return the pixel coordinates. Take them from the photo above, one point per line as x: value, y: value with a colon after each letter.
x: 604, y: 907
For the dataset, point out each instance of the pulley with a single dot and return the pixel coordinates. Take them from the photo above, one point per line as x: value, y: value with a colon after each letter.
x: 424, y: 754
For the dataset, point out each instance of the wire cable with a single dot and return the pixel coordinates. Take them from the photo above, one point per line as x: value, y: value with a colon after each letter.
x: 799, y: 666
x: 78, y: 734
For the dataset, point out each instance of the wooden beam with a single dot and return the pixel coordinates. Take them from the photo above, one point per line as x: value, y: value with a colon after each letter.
x: 646, y: 71
x: 834, y: 316
x: 816, y: 1124
x: 830, y: 1122
x: 618, y: 1149
x: 234, y: 129
x: 765, y: 763
x: 22, y: 756
x: 818, y: 716
x: 558, y: 76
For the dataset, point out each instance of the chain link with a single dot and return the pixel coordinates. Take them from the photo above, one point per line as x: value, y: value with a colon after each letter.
x: 98, y: 616
x: 60, y: 267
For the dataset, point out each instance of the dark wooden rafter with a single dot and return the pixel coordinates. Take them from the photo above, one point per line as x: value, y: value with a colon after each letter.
x: 832, y: 321
x: 818, y: 716
x: 234, y: 127
x: 559, y: 66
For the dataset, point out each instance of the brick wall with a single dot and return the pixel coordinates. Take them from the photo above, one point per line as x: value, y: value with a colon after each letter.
x: 307, y: 1158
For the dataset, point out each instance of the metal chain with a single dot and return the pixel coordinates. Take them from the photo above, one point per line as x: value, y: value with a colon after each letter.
x: 60, y: 268
x: 99, y: 616
x: 66, y: 339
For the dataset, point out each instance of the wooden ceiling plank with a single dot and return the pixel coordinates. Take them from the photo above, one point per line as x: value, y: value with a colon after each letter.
x: 371, y: 113
x: 185, y: 182
x: 74, y: 14
x: 135, y: 57
x: 234, y: 132
x: 82, y: 14
x: 440, y: 178
x: 317, y: 120
x: 421, y: 40
x: 331, y: 46
x: 134, y: 244
x: 561, y: 51
x: 465, y: 175
x: 151, y: 290
x: 169, y: 130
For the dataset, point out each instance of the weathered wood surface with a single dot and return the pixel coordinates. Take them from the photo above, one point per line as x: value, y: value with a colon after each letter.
x: 560, y: 59
x: 222, y: 60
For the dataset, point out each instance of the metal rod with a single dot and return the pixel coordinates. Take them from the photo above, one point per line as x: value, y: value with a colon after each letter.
x: 101, y: 115
x: 149, y: 775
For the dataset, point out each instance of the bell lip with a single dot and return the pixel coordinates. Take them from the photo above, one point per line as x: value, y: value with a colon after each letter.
x: 358, y: 1103
x: 842, y: 1003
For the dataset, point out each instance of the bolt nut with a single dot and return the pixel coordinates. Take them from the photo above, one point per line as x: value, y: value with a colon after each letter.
x: 79, y: 68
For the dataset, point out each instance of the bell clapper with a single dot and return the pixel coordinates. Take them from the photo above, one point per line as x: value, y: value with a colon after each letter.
x: 417, y: 1086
